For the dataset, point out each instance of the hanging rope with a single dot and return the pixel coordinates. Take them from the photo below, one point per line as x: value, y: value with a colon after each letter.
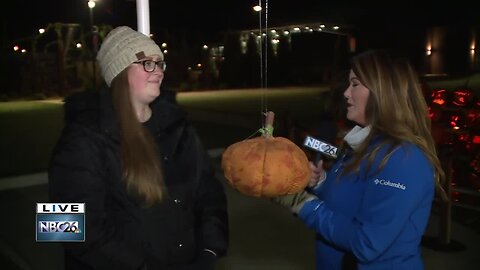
x: 260, y: 30
x: 266, y: 55
x: 263, y: 32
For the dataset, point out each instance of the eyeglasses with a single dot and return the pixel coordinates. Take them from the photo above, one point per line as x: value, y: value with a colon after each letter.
x: 150, y: 65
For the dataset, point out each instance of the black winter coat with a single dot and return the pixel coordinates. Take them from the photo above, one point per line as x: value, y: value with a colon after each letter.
x: 120, y: 233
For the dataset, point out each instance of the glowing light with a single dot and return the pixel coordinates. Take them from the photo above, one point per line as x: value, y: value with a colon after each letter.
x: 165, y: 51
x: 428, y: 51
x: 24, y: 51
x: 462, y: 97
x: 164, y: 45
x: 439, y: 101
x: 16, y: 48
x: 41, y: 30
x: 205, y: 47
x: 257, y: 8
x: 91, y: 4
x: 439, y: 96
x: 79, y: 45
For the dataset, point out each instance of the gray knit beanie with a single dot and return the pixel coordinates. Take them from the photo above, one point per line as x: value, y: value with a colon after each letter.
x: 121, y: 47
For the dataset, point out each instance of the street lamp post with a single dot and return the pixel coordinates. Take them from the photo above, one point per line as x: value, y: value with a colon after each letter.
x: 91, y: 5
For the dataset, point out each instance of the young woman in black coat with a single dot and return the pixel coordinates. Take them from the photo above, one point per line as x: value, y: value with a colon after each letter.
x: 151, y: 198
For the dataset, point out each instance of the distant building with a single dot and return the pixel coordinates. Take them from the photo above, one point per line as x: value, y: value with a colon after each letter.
x: 316, y: 53
x: 286, y: 55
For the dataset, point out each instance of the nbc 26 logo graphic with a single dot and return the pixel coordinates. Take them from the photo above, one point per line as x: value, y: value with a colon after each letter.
x: 59, y: 226
x: 321, y: 146
x: 60, y: 222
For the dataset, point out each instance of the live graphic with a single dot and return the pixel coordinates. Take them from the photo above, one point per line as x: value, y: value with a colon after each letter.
x: 60, y: 222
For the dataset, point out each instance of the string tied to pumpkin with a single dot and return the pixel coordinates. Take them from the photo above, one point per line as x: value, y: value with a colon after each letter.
x: 266, y: 131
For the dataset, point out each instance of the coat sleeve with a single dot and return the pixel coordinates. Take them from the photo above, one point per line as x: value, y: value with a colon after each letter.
x: 211, y: 205
x: 76, y: 174
x: 391, y: 196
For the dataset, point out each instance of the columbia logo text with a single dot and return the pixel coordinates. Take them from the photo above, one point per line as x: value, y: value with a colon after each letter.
x: 384, y: 182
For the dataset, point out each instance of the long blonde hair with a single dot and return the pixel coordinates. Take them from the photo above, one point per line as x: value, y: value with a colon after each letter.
x: 396, y: 109
x: 141, y: 166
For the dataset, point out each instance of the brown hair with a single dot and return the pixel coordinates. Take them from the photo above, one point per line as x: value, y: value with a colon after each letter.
x: 396, y: 109
x: 141, y: 167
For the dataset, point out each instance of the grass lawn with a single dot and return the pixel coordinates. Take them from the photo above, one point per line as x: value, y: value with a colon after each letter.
x: 29, y: 130
x: 227, y: 116
x: 296, y: 101
x: 471, y: 82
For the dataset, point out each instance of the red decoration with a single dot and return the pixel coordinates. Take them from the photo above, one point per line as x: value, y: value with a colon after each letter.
x: 439, y: 97
x: 462, y: 97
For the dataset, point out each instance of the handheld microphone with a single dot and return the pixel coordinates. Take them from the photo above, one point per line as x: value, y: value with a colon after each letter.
x: 320, y: 147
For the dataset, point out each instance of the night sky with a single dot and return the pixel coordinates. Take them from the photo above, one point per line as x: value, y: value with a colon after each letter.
x: 22, y: 18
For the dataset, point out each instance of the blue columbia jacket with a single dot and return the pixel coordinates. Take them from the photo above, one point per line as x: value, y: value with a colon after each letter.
x: 378, y: 217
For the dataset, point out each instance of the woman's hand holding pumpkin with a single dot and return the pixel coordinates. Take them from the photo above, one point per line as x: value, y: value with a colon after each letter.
x: 318, y: 174
x: 295, y: 201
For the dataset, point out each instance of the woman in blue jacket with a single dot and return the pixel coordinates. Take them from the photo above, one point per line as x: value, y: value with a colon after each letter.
x: 372, y: 207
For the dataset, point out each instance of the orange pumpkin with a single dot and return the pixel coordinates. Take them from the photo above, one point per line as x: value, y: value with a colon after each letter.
x: 266, y: 166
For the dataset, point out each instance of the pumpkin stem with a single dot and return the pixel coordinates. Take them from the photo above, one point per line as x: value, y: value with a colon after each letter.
x: 267, y: 131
